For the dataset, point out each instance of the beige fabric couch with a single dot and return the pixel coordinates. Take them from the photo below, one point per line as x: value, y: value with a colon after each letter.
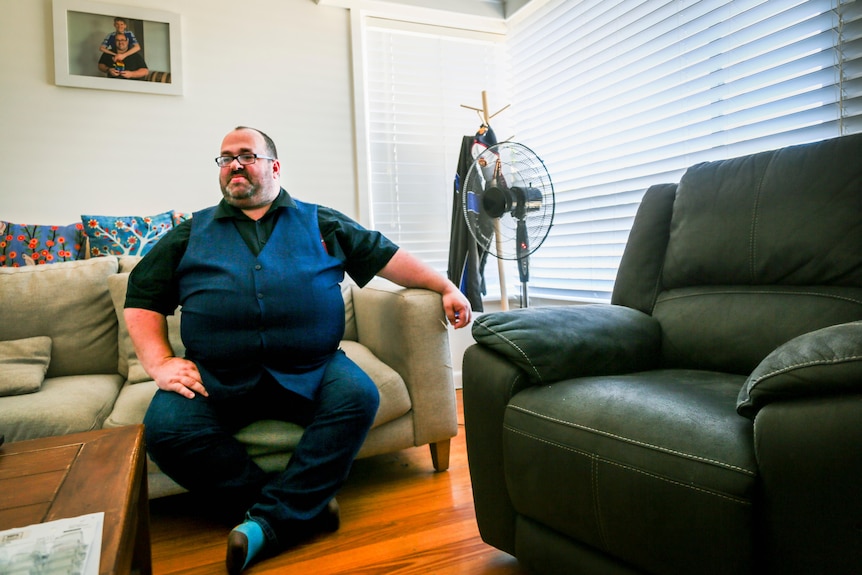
x: 93, y: 380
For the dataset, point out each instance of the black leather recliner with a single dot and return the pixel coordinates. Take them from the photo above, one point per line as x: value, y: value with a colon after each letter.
x: 708, y: 420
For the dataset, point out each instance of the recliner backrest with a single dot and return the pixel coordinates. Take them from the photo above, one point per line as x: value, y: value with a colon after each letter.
x: 747, y: 253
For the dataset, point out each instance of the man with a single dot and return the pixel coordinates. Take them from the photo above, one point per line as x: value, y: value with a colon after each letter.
x: 123, y: 65
x: 257, y: 277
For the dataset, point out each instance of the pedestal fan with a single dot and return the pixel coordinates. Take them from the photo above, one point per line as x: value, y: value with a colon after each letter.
x: 508, y: 203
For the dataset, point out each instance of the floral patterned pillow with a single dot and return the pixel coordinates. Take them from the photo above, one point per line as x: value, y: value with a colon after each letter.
x: 37, y: 245
x: 125, y: 235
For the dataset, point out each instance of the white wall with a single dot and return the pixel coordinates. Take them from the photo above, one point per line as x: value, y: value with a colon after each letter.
x: 279, y: 65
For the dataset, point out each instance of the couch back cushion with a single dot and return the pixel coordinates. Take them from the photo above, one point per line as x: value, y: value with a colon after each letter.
x: 761, y: 249
x: 68, y: 302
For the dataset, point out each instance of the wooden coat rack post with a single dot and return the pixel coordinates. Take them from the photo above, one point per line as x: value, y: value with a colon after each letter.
x: 486, y: 119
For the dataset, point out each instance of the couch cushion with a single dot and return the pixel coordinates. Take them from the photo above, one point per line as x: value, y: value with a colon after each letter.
x: 394, y: 398
x: 641, y: 465
x: 128, y: 363
x: 131, y: 404
x: 63, y: 405
x: 23, y: 363
x: 268, y: 436
x: 22, y: 244
x: 125, y: 235
x: 68, y: 302
x: 782, y: 217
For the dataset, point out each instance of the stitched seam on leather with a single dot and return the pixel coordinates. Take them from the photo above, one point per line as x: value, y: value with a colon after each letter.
x: 752, y: 252
x: 630, y: 468
x: 513, y: 387
x: 758, y: 292
x: 636, y: 442
x: 597, y: 507
x: 804, y: 364
x: 514, y: 345
x: 679, y: 483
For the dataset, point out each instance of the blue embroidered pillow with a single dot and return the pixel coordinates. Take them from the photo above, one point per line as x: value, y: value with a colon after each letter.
x: 37, y: 245
x: 125, y: 235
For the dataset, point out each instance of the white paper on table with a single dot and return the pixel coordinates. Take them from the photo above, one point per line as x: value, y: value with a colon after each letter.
x: 70, y: 546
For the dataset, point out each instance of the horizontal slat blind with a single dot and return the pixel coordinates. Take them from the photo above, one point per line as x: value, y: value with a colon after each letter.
x: 618, y: 95
x: 416, y: 83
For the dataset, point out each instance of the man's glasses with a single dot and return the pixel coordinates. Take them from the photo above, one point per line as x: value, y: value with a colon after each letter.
x: 243, y: 159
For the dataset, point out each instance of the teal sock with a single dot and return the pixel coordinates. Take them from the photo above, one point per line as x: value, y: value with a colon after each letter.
x: 256, y: 539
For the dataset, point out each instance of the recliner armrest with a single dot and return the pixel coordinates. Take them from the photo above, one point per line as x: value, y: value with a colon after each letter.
x: 823, y: 362
x: 555, y: 343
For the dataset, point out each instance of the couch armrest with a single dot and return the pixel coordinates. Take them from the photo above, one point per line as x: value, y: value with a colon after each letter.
x: 490, y: 381
x: 555, y: 343
x: 823, y: 362
x: 406, y: 329
x: 808, y: 460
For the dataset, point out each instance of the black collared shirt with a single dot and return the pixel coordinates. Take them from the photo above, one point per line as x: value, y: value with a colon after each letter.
x: 153, y: 283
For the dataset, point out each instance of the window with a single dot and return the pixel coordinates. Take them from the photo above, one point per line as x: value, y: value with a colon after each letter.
x: 417, y: 78
x: 616, y: 96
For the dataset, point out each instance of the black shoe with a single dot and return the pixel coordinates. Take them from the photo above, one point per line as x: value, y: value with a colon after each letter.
x: 329, y: 519
x: 237, y: 551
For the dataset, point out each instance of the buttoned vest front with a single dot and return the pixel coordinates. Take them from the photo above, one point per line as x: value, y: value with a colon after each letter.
x: 243, y: 316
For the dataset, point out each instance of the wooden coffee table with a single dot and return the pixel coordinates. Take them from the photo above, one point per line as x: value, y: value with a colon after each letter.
x: 71, y: 475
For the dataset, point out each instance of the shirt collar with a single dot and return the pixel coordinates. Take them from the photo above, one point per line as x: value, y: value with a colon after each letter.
x: 226, y: 211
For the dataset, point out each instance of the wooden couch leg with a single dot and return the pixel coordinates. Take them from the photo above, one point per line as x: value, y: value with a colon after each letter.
x: 440, y: 454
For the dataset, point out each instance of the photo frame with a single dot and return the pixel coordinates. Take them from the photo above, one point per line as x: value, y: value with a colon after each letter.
x: 80, y: 28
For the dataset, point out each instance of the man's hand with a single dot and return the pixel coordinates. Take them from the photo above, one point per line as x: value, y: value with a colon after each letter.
x: 408, y: 271
x: 178, y: 375
x: 457, y: 308
x: 149, y: 333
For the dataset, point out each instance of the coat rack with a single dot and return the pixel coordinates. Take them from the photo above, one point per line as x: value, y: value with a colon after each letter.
x: 486, y: 119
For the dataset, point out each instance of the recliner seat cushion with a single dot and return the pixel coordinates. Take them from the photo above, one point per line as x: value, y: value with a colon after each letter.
x: 655, y: 468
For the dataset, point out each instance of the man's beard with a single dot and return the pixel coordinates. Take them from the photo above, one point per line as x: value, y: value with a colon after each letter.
x: 245, y: 195
x: 239, y: 191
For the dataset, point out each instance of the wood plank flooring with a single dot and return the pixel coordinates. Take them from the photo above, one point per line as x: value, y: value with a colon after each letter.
x: 398, y: 517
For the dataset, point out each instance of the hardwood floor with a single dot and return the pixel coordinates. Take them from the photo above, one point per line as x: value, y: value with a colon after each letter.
x: 398, y: 517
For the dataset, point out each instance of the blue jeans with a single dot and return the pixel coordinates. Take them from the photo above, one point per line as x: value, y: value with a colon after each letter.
x: 191, y: 440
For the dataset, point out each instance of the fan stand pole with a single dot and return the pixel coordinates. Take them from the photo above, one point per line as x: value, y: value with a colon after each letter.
x: 504, y: 298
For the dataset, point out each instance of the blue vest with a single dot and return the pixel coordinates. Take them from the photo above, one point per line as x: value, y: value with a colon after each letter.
x: 280, y: 312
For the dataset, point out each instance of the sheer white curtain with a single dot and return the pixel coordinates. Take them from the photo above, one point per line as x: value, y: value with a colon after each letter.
x: 618, y: 95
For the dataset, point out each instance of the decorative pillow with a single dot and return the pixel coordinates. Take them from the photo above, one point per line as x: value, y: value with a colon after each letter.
x: 23, y: 364
x: 555, y: 343
x: 822, y: 362
x: 180, y: 217
x: 125, y: 235
x: 30, y: 245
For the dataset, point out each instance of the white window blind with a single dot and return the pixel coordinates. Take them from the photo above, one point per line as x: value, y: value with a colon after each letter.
x: 617, y: 95
x: 416, y: 83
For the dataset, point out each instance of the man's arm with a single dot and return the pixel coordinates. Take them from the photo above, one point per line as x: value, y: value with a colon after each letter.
x: 135, y: 74
x: 149, y: 333
x: 110, y: 70
x: 407, y: 270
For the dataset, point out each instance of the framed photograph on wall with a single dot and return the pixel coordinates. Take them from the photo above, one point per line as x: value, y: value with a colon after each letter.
x: 105, y: 46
